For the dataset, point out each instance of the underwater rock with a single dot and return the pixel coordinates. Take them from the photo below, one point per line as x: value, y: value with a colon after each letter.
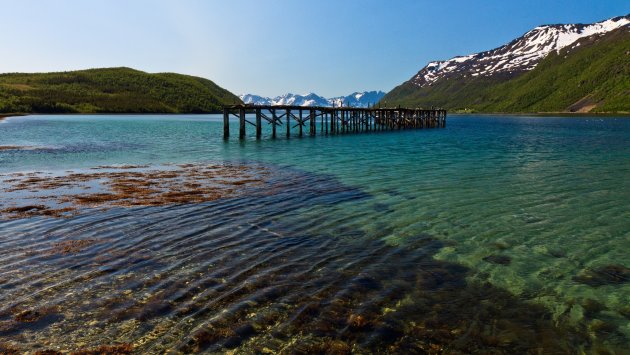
x: 45, y: 352
x: 337, y: 347
x: 28, y: 316
x: 34, y: 315
x: 71, y: 246
x: 246, y: 330
x: 625, y: 312
x: 501, y: 245
x: 381, y: 207
x: 357, y: 321
x: 599, y: 326
x: 233, y: 342
x: 556, y: 253
x: 320, y: 346
x: 205, y: 337
x: 592, y: 307
x: 118, y: 349
x: 424, y: 241
x: 33, y: 319
x: 9, y: 349
x: 608, y: 275
x: 143, y: 311
x: 386, y: 334
x: 366, y: 283
x: 498, y: 259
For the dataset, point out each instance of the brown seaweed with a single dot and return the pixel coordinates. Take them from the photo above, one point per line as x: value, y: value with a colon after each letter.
x: 127, y: 187
x: 118, y: 349
x: 71, y: 246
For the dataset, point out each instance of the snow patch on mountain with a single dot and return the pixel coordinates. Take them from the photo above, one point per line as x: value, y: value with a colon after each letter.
x: 522, y: 54
x: 356, y: 99
x: 255, y: 99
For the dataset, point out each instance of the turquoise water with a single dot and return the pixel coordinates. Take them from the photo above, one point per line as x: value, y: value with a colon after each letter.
x: 525, y: 205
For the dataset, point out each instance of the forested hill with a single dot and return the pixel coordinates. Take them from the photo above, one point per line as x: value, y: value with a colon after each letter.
x: 110, y: 90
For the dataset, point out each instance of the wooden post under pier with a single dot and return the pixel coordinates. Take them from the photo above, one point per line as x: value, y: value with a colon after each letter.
x: 333, y: 120
x: 226, y: 124
x: 313, y: 121
x: 300, y: 123
x: 274, y: 123
x: 241, y: 130
x: 258, y: 123
x: 288, y: 113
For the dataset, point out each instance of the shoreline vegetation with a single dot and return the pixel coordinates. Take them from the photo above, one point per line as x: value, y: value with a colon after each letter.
x: 110, y: 90
x: 132, y: 92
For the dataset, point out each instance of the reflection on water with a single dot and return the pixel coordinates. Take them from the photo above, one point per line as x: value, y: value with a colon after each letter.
x: 254, y: 274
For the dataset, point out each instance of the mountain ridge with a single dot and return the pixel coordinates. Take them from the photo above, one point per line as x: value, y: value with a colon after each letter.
x: 356, y: 99
x: 520, y: 54
x: 469, y: 82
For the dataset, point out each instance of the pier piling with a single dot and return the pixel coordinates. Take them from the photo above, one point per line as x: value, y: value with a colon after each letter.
x: 332, y: 120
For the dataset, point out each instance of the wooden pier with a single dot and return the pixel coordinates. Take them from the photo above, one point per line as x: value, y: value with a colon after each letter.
x: 330, y: 120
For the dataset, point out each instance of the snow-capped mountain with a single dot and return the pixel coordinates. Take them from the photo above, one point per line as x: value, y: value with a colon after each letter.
x: 520, y: 55
x: 357, y: 99
x: 300, y: 100
x: 287, y: 99
x: 255, y: 99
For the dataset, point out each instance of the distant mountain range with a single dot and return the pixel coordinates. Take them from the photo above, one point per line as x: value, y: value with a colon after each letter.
x: 575, y: 67
x: 357, y: 99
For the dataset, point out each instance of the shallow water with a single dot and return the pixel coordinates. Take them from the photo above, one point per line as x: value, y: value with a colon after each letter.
x: 494, y: 233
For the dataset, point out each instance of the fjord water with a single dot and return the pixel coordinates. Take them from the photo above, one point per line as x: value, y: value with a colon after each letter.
x: 477, y: 236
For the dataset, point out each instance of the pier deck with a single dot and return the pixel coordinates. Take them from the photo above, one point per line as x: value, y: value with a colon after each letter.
x: 330, y: 120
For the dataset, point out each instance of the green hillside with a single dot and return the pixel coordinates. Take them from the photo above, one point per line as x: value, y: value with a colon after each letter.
x: 110, y: 90
x: 593, y: 77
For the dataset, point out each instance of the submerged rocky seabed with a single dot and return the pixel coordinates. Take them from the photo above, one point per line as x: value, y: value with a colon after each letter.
x: 496, y: 234
x: 62, y: 195
x: 257, y: 259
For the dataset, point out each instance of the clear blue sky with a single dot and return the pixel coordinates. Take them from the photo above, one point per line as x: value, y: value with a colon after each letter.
x: 270, y: 47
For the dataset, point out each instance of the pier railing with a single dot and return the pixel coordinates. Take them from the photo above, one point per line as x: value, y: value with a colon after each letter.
x: 330, y: 120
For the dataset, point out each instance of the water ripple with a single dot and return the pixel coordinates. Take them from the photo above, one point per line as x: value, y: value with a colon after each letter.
x: 254, y: 273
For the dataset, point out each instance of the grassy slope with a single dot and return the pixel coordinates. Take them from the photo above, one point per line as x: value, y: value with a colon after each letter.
x: 595, y: 75
x: 450, y: 94
x: 110, y: 90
